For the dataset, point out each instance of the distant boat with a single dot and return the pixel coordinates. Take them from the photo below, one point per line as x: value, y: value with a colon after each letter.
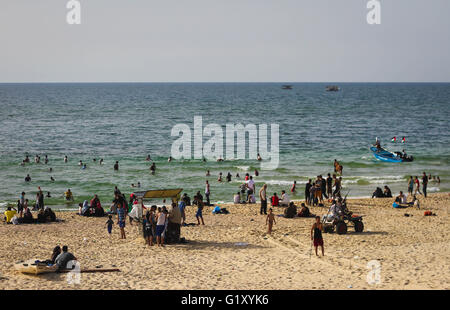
x: 286, y: 87
x: 332, y: 88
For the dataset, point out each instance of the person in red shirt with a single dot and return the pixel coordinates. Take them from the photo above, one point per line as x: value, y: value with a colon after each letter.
x: 275, y: 200
x: 294, y: 187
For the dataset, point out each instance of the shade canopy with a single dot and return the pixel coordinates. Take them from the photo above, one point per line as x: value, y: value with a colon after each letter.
x: 175, y: 194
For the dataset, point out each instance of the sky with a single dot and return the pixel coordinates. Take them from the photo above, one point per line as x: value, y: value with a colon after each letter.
x: 224, y: 41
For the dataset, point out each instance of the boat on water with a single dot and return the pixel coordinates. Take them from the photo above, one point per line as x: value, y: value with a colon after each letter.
x: 391, y: 157
x: 286, y: 87
x: 332, y: 88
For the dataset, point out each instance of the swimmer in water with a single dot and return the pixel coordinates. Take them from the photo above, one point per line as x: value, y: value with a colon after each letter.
x: 169, y: 159
x: 148, y: 158
x: 52, y: 179
x: 65, y: 159
x: 208, y: 173
x: 259, y: 157
x: 80, y: 163
x: 101, y: 161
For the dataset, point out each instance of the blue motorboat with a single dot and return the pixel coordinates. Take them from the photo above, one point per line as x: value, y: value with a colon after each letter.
x: 384, y: 155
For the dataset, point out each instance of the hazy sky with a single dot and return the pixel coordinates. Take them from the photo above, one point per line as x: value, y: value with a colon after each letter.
x: 224, y: 40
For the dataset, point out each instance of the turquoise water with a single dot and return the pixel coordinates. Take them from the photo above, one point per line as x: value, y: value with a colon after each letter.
x: 125, y: 122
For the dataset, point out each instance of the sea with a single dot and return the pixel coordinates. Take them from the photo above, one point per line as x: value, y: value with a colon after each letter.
x: 127, y: 121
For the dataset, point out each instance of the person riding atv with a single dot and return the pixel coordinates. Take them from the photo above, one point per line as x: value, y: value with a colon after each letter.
x: 339, y: 217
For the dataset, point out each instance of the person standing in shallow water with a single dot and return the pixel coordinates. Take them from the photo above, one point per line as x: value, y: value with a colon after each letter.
x: 207, y: 192
x: 116, y: 166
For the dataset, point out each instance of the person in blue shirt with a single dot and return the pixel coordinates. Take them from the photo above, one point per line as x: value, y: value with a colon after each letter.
x: 182, y: 206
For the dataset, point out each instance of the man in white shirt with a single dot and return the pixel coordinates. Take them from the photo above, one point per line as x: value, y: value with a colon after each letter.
x: 401, y: 199
x: 284, y: 199
x: 250, y: 186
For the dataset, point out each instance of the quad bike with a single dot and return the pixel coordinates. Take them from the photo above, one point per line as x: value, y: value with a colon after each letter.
x: 346, y: 219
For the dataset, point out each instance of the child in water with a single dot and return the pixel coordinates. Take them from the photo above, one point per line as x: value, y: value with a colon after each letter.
x: 270, y: 220
x: 109, y: 224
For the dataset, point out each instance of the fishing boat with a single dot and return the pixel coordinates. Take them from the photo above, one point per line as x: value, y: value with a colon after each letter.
x: 286, y: 87
x: 391, y: 157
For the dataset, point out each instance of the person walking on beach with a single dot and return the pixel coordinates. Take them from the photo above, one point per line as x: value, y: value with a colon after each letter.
x: 316, y: 235
x: 417, y: 182
x: 410, y: 185
x: 424, y: 184
x: 109, y: 224
x: 207, y: 192
x: 263, y: 198
x: 270, y: 220
x: 199, y: 214
x: 121, y: 216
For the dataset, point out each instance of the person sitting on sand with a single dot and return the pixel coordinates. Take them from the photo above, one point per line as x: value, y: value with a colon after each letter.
x: 270, y: 220
x: 237, y: 198
x: 284, y: 199
x: 316, y: 235
x: 401, y: 198
x: 63, y: 258
x: 85, y: 209
x: 304, y: 211
x: 9, y: 214
x: 387, y: 192
x: 291, y: 211
x: 275, y: 200
x: 251, y: 198
x: 335, y: 211
x: 378, y: 193
x: 27, y: 215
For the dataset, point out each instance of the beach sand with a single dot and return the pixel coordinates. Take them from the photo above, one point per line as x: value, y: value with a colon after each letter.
x: 414, y: 251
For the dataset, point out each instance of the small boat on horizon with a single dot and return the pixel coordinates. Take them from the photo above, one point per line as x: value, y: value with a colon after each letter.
x: 332, y: 88
x: 286, y: 87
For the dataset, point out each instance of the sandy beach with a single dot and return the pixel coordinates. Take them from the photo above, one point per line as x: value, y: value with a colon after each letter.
x: 233, y: 252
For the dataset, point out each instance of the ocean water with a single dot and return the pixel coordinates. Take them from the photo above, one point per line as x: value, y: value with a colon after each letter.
x: 125, y: 122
